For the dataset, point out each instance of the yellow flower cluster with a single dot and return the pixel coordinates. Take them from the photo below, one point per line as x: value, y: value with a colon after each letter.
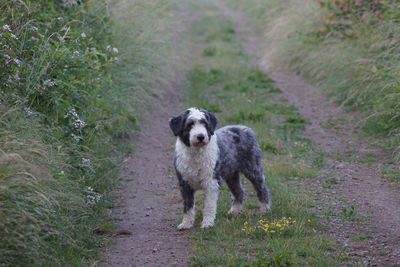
x: 270, y: 228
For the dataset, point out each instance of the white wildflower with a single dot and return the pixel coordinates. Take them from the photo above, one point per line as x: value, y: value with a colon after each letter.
x: 86, y: 162
x: 14, y: 36
x: 16, y: 76
x: 7, y: 28
x: 83, y: 35
x: 60, y: 19
x: 7, y: 56
x: 28, y: 111
x: 76, y: 53
x: 90, y: 189
x: 78, y: 124
x: 17, y: 61
x: 34, y: 29
x: 116, y: 59
x: 108, y: 48
x: 76, y: 137
x: 49, y: 83
x: 62, y: 40
x: 115, y: 50
x: 35, y: 39
x: 71, y: 113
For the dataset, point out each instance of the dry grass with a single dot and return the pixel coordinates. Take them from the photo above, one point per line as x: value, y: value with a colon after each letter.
x: 359, y: 69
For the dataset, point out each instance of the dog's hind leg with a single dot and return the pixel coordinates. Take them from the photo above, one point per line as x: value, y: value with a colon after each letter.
x: 256, y: 177
x: 235, y: 186
x: 188, y: 206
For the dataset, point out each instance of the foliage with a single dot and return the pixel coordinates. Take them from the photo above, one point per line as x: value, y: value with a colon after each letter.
x: 344, y: 13
x: 65, y: 117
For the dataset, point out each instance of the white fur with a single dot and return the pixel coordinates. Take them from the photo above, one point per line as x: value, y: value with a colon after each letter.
x: 188, y: 219
x: 198, y: 128
x: 196, y: 164
x: 236, y: 208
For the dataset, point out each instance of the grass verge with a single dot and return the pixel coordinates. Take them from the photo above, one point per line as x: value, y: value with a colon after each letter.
x: 224, y: 82
x: 67, y: 107
x: 348, y: 48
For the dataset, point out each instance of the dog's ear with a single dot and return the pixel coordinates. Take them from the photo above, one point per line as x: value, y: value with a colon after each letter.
x: 176, y: 124
x: 212, y: 122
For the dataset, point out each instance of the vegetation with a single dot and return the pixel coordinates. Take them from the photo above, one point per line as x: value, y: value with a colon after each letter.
x: 350, y: 48
x: 290, y: 234
x: 66, y: 107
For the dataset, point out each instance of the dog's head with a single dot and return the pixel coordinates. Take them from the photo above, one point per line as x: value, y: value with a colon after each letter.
x: 194, y: 126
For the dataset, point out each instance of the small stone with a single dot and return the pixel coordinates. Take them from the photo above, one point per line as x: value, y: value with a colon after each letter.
x: 147, y: 214
x: 155, y: 250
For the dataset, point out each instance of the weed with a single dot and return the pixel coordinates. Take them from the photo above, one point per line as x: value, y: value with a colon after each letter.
x: 349, y: 213
x: 265, y: 146
x: 297, y: 119
x: 210, y: 51
x: 278, y: 260
x: 360, y: 237
x: 391, y: 174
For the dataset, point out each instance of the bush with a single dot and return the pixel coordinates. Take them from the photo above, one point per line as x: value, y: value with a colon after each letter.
x: 60, y: 113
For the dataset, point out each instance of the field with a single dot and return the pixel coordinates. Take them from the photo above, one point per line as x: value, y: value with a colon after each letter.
x: 87, y: 87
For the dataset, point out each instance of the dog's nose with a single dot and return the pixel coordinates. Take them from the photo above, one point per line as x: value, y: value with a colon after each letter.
x: 200, y: 137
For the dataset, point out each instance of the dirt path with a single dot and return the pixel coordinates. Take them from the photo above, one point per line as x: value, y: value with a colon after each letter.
x: 376, y: 203
x: 148, y: 198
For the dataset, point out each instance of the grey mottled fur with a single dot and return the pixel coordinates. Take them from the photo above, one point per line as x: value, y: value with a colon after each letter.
x: 239, y: 152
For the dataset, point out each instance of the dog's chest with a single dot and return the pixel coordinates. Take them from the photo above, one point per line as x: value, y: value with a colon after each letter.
x: 196, y: 165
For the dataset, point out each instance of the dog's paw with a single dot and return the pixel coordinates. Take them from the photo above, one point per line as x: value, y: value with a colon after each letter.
x: 235, y: 209
x: 207, y: 223
x: 264, y: 208
x: 185, y: 226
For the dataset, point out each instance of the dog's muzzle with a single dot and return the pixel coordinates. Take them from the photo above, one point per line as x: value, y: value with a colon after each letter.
x: 200, y: 140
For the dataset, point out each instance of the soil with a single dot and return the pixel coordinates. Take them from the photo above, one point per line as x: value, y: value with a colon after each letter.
x: 376, y: 217
x: 148, y: 198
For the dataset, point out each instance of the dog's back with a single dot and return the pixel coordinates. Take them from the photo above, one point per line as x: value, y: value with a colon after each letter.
x: 239, y: 151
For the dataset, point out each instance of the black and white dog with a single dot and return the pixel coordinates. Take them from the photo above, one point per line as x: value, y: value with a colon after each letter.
x: 204, y: 157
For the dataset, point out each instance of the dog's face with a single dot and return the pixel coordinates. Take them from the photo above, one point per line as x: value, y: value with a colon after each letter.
x: 194, y: 126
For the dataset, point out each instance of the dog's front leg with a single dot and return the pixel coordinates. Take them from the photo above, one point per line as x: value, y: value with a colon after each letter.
x: 188, y: 206
x: 211, y: 190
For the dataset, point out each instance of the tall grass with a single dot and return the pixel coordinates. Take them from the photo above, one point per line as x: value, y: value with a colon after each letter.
x: 74, y: 76
x: 352, y: 54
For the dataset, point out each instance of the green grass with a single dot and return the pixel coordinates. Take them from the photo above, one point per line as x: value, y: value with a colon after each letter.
x: 247, y: 96
x: 354, y: 58
x: 78, y: 80
x: 392, y: 174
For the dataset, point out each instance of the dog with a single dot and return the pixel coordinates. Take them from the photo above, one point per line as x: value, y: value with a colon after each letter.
x: 204, y: 157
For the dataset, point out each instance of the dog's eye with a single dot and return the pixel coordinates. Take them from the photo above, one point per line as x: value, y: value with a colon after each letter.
x: 189, y: 125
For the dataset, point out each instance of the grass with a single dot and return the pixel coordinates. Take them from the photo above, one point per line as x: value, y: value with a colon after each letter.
x: 352, y: 55
x: 75, y: 81
x: 245, y: 95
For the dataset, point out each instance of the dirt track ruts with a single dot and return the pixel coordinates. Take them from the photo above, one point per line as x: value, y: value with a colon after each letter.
x: 376, y: 202
x: 148, y: 197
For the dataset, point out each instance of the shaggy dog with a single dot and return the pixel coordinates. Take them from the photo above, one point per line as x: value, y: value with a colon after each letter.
x: 204, y: 157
